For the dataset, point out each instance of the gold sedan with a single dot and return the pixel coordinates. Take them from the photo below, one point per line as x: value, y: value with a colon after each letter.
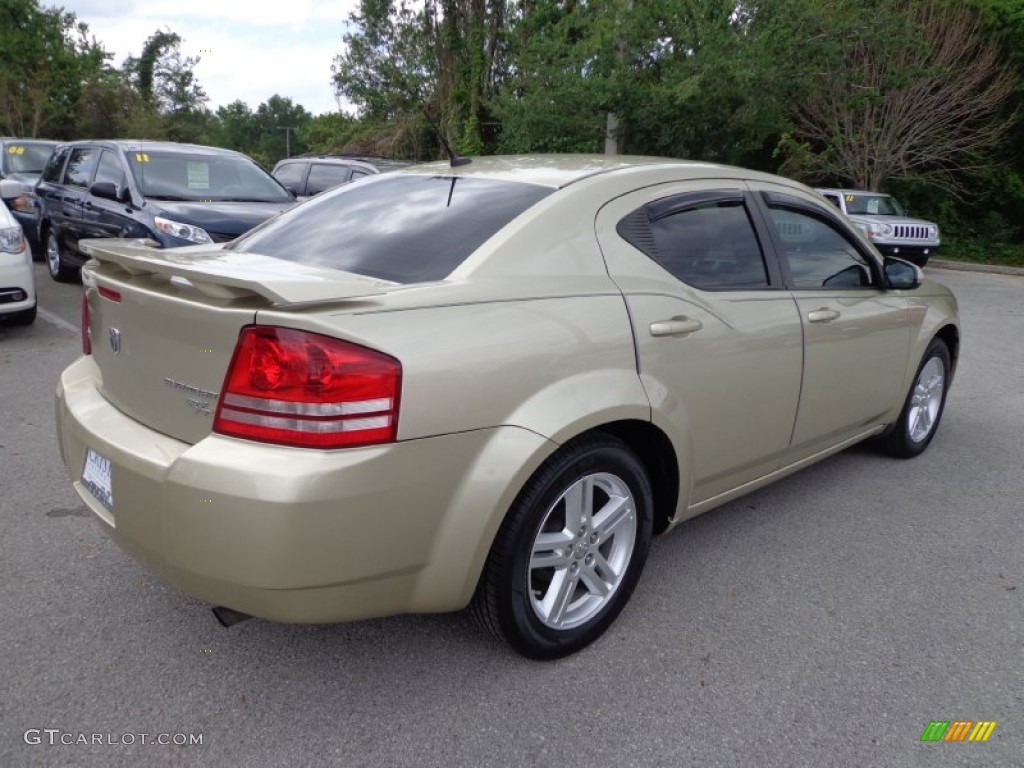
x: 486, y: 385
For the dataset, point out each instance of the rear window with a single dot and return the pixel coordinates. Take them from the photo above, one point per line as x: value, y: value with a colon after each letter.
x: 406, y: 229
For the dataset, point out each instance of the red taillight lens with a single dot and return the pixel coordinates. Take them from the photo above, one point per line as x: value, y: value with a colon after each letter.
x: 308, y: 390
x: 86, y: 331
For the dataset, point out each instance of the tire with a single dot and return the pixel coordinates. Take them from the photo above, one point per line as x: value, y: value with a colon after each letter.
x: 25, y: 317
x: 922, y: 410
x: 570, y: 551
x: 56, y: 264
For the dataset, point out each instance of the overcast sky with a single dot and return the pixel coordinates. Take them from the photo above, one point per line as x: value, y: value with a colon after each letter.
x: 248, y: 49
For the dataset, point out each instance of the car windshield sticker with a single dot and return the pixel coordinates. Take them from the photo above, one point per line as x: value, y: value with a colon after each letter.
x: 141, y: 157
x: 850, y: 198
x: 198, y: 176
x: 12, y: 150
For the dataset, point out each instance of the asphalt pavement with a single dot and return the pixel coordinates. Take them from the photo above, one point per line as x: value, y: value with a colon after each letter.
x: 824, y: 621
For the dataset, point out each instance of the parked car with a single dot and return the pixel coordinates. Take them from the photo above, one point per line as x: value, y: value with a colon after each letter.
x: 171, y: 194
x: 17, y: 281
x: 22, y: 160
x: 486, y: 385
x: 884, y: 221
x: 310, y: 175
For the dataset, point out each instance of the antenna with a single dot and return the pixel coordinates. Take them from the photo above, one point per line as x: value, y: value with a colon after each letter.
x: 453, y: 159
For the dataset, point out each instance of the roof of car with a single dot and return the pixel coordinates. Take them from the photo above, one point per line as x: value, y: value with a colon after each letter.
x: 349, y: 160
x: 561, y: 170
x: 21, y: 140
x: 839, y: 191
x: 136, y: 145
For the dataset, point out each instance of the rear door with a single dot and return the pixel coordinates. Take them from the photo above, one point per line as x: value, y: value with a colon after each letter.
x: 718, y: 339
x: 67, y: 206
x: 856, y: 334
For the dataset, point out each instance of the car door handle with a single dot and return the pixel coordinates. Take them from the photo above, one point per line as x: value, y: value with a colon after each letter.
x: 677, y: 326
x: 822, y: 315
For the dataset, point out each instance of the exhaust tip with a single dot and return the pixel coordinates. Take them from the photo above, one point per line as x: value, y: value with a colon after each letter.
x: 228, y: 617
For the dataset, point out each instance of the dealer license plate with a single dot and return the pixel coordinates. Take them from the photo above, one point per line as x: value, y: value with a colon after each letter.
x: 96, y: 477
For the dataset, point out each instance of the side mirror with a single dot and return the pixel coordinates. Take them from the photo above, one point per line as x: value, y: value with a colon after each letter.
x: 9, y: 189
x: 902, y: 275
x: 108, y: 191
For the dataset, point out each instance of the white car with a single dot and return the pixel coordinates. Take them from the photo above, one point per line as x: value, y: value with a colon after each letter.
x: 17, y: 283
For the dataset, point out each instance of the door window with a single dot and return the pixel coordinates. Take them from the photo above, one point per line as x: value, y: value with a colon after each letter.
x: 80, y: 166
x: 290, y: 175
x: 708, y: 244
x: 110, y: 169
x: 817, y: 254
x: 323, y: 177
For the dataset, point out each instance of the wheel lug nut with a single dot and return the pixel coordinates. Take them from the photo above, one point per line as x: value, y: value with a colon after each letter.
x: 582, y: 532
x: 593, y: 537
x: 589, y: 560
x: 574, y: 567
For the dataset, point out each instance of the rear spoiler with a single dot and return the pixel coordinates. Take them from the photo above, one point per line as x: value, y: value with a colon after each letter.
x: 226, y: 274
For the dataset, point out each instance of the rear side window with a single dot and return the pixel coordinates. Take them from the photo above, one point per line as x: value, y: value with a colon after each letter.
x: 707, y: 243
x: 51, y: 172
x: 80, y: 166
x: 401, y: 228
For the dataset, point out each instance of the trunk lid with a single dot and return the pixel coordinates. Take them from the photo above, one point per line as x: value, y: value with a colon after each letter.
x: 164, y: 323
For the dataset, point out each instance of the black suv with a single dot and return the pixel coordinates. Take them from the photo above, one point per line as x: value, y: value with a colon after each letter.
x: 22, y: 160
x: 173, y: 194
x: 309, y: 175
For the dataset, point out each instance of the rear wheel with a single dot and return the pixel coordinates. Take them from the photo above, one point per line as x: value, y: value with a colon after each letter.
x: 56, y: 264
x: 570, y: 551
x: 923, y: 408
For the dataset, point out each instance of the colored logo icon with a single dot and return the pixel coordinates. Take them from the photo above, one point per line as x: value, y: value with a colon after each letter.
x: 958, y: 730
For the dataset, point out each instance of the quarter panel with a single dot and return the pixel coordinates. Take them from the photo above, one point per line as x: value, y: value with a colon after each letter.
x: 554, y: 366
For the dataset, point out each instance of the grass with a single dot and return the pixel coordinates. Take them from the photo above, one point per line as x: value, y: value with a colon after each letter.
x: 980, y: 252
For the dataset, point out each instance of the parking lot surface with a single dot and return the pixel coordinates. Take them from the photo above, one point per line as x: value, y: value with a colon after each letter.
x: 823, y: 621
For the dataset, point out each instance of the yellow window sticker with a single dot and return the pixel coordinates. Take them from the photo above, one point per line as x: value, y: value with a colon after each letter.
x: 15, y: 150
x: 141, y: 157
x: 850, y: 198
x: 198, y: 176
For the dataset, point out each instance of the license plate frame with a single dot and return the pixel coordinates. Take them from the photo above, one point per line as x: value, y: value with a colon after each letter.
x: 96, y: 478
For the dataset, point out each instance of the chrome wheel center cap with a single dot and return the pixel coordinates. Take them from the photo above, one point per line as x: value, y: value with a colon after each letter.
x: 581, y: 549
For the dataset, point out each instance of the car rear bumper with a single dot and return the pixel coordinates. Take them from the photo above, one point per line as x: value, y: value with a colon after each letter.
x: 293, y: 534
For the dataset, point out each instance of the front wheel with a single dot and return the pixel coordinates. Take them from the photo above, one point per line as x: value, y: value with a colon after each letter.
x: 570, y: 551
x: 922, y: 411
x: 56, y: 264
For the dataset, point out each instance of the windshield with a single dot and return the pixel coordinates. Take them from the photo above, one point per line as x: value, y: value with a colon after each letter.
x: 203, y: 178
x: 402, y: 228
x: 873, y: 205
x: 26, y: 157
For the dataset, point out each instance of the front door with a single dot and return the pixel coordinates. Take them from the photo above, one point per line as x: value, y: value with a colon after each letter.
x: 856, y: 334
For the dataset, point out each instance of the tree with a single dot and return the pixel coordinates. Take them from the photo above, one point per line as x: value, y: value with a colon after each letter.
x: 165, y: 82
x: 442, y: 58
x: 905, y: 89
x: 46, y: 58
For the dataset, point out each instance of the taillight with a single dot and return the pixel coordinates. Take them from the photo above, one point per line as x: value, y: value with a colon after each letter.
x: 308, y: 390
x: 86, y: 331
